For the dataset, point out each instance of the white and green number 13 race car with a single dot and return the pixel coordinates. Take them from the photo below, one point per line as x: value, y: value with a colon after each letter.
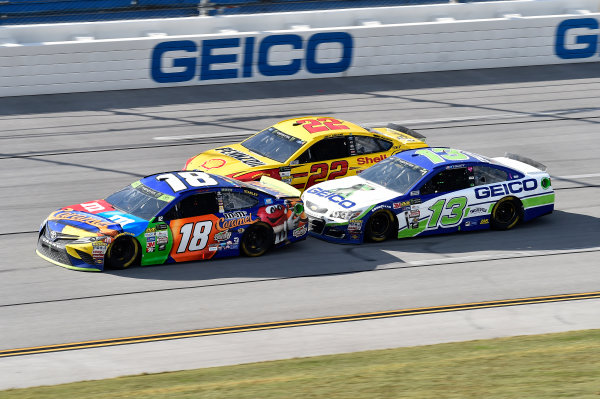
x: 429, y: 191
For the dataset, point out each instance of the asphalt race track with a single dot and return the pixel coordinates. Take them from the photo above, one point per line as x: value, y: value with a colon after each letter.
x: 58, y: 150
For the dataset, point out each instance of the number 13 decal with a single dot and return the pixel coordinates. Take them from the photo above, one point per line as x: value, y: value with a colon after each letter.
x: 456, y: 206
x: 321, y: 125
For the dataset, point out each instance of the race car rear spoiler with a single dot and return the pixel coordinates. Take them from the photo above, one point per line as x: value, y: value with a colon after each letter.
x: 404, y: 129
x: 280, y: 186
x: 526, y: 160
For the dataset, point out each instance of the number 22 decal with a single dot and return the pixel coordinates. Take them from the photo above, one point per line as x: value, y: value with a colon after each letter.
x: 321, y: 125
x: 320, y: 170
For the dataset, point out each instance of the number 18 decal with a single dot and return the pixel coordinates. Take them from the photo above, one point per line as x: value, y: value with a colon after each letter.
x: 193, y: 179
x: 198, y: 233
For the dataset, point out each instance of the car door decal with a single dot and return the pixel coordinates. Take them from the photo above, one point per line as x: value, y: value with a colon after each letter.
x: 456, y: 207
x: 193, y: 238
x: 322, y: 171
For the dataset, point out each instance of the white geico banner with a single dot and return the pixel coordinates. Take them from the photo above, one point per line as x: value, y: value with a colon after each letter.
x: 63, y: 58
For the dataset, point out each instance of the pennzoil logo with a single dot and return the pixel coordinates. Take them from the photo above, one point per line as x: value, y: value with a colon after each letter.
x: 240, y: 156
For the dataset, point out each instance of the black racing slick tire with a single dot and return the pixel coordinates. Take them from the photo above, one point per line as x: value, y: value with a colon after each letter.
x: 506, y: 213
x: 257, y: 240
x: 122, y: 253
x: 380, y: 226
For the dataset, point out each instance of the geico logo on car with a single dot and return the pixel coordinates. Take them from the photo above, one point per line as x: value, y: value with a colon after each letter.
x: 338, y: 199
x: 243, y: 57
x: 513, y: 187
x: 368, y: 160
x: 577, y: 38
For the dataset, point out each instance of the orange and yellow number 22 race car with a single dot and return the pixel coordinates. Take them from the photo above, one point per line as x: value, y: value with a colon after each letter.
x: 306, y: 151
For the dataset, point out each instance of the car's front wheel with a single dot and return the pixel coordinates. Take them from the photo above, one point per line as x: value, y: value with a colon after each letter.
x: 506, y: 213
x: 379, y: 226
x: 122, y: 253
x: 257, y: 240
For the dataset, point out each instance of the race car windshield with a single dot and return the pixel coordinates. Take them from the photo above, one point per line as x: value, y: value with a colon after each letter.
x: 394, y: 174
x: 273, y: 144
x: 140, y: 201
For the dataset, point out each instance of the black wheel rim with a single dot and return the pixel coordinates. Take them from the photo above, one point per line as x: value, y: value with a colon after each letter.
x: 380, y: 225
x: 255, y: 241
x: 123, y: 252
x: 506, y: 212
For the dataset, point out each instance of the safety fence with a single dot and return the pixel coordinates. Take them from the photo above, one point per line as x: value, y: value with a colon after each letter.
x: 14, y: 12
x: 119, y: 55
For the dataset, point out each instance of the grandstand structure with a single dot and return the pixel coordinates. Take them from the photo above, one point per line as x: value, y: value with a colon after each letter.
x: 18, y: 12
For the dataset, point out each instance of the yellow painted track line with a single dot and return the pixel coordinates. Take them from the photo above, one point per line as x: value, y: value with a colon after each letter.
x: 297, y: 323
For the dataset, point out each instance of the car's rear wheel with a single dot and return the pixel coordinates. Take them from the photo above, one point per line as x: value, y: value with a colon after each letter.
x: 379, y: 226
x: 257, y: 240
x: 122, y: 253
x: 506, y: 213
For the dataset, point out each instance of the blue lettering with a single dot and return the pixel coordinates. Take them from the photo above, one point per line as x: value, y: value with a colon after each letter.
x: 343, y: 38
x: 347, y: 204
x: 504, y: 188
x: 590, y: 42
x: 482, y: 192
x: 188, y: 63
x: 496, y: 190
x: 527, y: 186
x: 513, y: 189
x: 338, y: 199
x: 278, y: 70
x: 247, y: 57
x: 208, y: 59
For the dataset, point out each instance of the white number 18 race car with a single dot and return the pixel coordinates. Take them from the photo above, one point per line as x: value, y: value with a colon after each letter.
x: 429, y: 191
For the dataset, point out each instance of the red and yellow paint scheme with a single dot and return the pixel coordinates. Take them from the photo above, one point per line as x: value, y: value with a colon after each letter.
x: 307, y: 150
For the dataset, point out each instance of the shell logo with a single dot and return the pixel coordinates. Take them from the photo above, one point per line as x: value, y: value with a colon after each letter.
x: 213, y: 163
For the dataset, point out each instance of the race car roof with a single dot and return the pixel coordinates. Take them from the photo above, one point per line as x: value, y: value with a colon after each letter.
x: 431, y: 158
x: 308, y: 128
x: 177, y: 179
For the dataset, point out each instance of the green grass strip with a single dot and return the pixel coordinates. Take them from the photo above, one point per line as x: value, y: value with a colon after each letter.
x: 565, y: 365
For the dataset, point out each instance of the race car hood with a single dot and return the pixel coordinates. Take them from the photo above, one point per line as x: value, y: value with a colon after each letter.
x: 229, y: 161
x: 350, y: 193
x: 81, y: 223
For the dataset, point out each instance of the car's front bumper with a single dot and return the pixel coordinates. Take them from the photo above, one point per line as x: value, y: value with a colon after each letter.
x: 333, y: 231
x: 71, y: 256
